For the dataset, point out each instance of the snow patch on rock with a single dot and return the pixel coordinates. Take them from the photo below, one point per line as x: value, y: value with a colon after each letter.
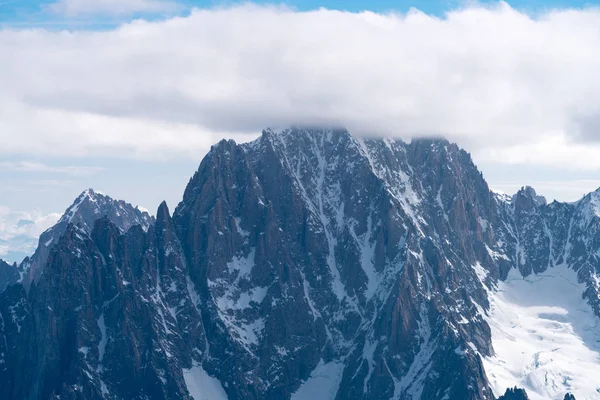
x: 203, y: 386
x: 323, y: 383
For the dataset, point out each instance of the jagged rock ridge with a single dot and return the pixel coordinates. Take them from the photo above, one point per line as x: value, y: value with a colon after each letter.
x: 304, y: 254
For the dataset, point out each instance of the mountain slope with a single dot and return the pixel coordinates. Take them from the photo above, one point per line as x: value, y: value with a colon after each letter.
x: 306, y: 264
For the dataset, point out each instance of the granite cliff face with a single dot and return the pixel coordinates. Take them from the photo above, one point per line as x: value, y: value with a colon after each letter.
x: 305, y: 264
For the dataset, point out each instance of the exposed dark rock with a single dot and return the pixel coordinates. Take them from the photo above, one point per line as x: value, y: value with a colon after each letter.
x: 9, y: 274
x: 514, y: 394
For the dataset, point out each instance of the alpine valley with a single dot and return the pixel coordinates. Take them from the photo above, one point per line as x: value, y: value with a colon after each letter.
x: 311, y: 265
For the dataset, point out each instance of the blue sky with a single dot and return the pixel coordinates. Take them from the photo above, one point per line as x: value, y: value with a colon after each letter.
x: 35, y: 13
x: 429, y: 6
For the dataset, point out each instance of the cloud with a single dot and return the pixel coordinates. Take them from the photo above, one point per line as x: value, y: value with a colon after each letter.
x: 74, y: 8
x: 24, y: 223
x: 70, y: 132
x: 19, y: 232
x: 31, y: 166
x: 505, y: 85
x: 552, y: 151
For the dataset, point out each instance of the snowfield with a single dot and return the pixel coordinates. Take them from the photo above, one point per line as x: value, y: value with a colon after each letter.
x: 545, y: 336
x: 323, y: 382
x: 203, y: 386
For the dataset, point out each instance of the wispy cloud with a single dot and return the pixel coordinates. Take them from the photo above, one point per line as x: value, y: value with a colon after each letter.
x: 30, y: 166
x: 76, y: 8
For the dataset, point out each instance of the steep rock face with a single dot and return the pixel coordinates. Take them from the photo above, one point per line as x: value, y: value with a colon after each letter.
x: 9, y: 274
x: 248, y: 277
x: 583, y: 244
x: 85, y: 210
x: 17, y: 333
x: 305, y: 264
x: 343, y: 233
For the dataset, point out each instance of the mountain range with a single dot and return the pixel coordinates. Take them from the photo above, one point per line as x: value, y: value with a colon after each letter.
x: 311, y: 264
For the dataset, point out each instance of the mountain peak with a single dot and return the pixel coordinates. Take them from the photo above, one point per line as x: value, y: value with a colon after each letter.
x: 225, y: 144
x: 304, y: 132
x: 432, y: 141
x: 88, y: 207
x: 91, y: 205
x: 89, y: 192
x: 163, y: 211
x: 88, y: 195
x: 527, y: 195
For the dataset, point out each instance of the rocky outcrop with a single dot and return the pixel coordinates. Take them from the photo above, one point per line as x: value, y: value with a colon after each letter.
x: 514, y: 394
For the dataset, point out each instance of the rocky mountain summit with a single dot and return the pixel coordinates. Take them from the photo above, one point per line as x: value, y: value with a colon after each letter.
x: 309, y: 264
x: 88, y: 207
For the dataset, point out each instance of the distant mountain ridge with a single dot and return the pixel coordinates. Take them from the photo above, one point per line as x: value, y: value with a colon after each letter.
x: 307, y: 264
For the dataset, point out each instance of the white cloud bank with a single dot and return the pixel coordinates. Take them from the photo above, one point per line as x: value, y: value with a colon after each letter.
x: 19, y: 232
x: 27, y: 223
x: 509, y: 87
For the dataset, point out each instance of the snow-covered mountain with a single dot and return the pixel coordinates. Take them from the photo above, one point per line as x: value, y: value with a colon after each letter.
x: 310, y: 264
